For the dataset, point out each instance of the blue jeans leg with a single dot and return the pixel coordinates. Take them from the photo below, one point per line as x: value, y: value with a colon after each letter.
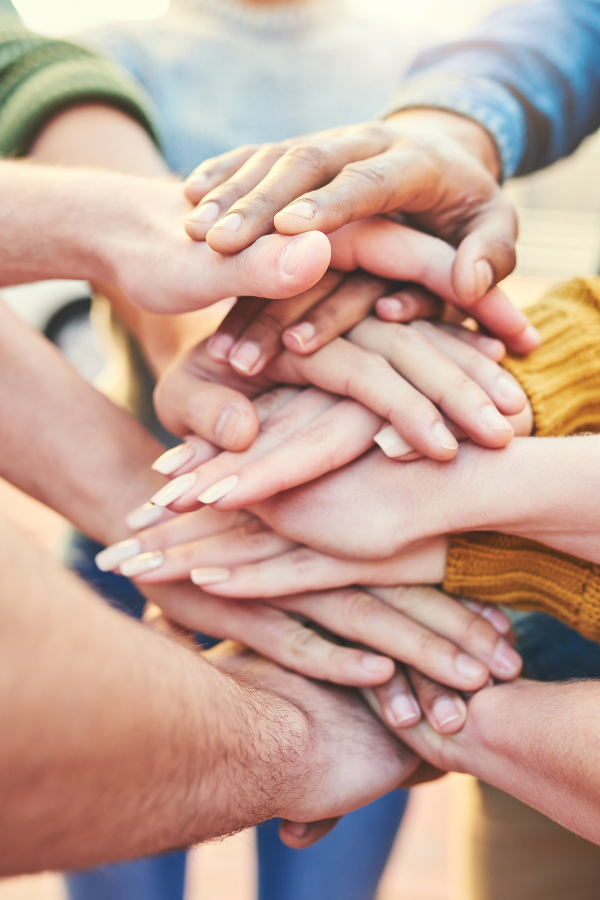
x: 345, y: 865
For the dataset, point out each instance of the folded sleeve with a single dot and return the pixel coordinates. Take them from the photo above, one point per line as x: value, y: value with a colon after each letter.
x: 562, y: 380
x: 530, y: 74
x: 39, y: 77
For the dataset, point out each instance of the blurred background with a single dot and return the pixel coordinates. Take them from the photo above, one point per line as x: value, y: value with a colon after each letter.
x: 560, y: 237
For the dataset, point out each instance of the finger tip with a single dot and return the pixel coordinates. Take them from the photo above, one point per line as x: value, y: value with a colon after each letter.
x: 195, y: 230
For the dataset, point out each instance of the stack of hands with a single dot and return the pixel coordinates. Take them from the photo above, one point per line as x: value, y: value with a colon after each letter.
x: 278, y: 528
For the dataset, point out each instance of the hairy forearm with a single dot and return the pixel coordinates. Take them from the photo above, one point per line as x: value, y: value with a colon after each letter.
x: 539, y: 742
x: 66, y: 444
x: 117, y: 742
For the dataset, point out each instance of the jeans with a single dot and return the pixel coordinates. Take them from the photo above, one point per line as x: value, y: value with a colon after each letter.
x: 345, y: 865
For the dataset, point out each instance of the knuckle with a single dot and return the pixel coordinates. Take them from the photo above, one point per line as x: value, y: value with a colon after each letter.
x: 254, y: 534
x: 360, y: 609
x: 406, y: 339
x: 371, y: 171
x: 302, y: 642
x: 308, y: 156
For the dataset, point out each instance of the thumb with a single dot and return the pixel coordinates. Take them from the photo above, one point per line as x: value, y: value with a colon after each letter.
x: 299, y: 835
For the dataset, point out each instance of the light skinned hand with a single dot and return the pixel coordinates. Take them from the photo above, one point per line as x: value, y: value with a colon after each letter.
x: 303, y: 435
x: 256, y: 329
x: 439, y: 169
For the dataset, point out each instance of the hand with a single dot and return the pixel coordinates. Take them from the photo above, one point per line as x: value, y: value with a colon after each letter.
x: 161, y: 270
x: 382, y: 248
x: 347, y: 759
x: 303, y: 435
x: 437, y: 168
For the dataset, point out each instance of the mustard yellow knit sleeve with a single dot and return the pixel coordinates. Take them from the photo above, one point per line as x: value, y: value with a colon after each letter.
x: 562, y: 381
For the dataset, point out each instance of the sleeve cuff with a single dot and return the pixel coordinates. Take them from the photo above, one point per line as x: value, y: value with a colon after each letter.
x: 60, y: 84
x: 485, y: 101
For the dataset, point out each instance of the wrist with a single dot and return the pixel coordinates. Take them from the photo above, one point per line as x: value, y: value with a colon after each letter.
x: 472, y: 136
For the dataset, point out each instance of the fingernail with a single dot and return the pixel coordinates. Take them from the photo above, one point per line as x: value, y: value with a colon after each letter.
x: 140, y: 564
x: 219, y: 490
x: 109, y: 559
x: 391, y: 443
x: 219, y: 347
x: 484, y: 277
x: 444, y: 438
x: 507, y: 659
x: 496, y: 618
x: 293, y: 253
x: 176, y: 489
x: 207, y: 213
x: 468, y: 667
x: 374, y: 664
x: 508, y: 388
x: 532, y: 335
x: 302, y: 333
x: 230, y: 222
x: 393, y: 307
x: 245, y: 357
x: 298, y: 829
x: 446, y: 710
x: 491, y: 418
x: 144, y: 515
x: 228, y: 425
x: 196, y: 179
x: 402, y: 708
x: 173, y: 459
x: 209, y: 576
x: 303, y: 208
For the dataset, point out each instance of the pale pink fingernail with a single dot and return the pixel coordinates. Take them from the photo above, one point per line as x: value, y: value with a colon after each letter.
x: 403, y: 708
x: 446, y: 710
x: 303, y: 208
x: 205, y: 214
x: 506, y: 659
x: 230, y: 222
x: 219, y: 347
x: 301, y: 334
x: 376, y: 665
x: 112, y: 556
x: 245, y: 357
x: 209, y: 576
x: 219, y: 490
x: 140, y: 564
x: 508, y: 388
x: 494, y: 420
x: 391, y: 443
x: 468, y: 667
x: 173, y: 459
x: 175, y: 489
x: 390, y: 308
x: 229, y: 424
x: 484, y: 277
x: 143, y: 516
x: 533, y: 336
x: 444, y: 437
x: 293, y: 253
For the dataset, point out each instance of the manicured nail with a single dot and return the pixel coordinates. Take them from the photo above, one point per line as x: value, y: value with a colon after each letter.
x: 376, y: 665
x: 301, y: 334
x: 228, y: 425
x: 391, y: 443
x: 468, y: 667
x: 507, y: 659
x: 143, y: 516
x: 173, y: 459
x: 205, y: 214
x: 484, y: 277
x: 293, y: 253
x: 219, y: 347
x: 109, y: 559
x: 143, y: 563
x: 443, y: 437
x: 230, y: 222
x: 176, y: 489
x: 446, y: 710
x: 219, y: 490
x: 209, y: 576
x: 391, y: 307
x: 508, y: 388
x: 245, y: 357
x: 402, y: 708
x: 303, y: 208
x: 491, y: 418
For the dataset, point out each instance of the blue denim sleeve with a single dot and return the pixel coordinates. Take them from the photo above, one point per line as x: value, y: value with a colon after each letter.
x: 530, y: 74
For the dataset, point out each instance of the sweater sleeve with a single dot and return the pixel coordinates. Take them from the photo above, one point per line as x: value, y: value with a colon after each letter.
x: 562, y: 380
x: 39, y: 77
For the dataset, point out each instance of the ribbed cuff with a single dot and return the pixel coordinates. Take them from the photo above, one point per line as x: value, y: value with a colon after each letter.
x: 485, y: 101
x: 59, y: 84
x: 516, y: 572
x: 562, y: 377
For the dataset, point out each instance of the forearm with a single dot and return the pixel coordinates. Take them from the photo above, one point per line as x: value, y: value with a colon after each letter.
x: 153, y: 747
x: 539, y: 743
x: 66, y: 444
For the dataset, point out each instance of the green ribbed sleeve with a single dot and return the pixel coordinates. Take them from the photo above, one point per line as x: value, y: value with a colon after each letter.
x: 40, y: 76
